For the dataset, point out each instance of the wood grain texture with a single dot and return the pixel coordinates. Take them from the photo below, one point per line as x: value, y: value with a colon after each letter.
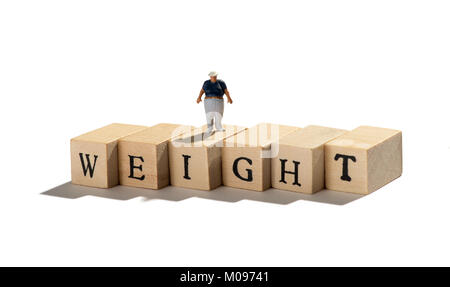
x: 246, y: 156
x: 373, y: 156
x: 94, y: 159
x: 202, y: 152
x: 144, y: 156
x: 305, y: 149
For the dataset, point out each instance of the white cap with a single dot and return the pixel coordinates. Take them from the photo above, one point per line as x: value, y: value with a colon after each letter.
x: 213, y: 74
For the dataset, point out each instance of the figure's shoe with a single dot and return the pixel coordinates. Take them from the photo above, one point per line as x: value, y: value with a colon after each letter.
x: 221, y: 130
x: 208, y: 132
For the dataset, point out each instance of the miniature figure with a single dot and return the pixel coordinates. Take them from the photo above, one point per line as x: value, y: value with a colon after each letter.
x: 214, y: 89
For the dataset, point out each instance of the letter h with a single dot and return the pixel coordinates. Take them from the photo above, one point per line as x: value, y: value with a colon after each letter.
x: 284, y: 171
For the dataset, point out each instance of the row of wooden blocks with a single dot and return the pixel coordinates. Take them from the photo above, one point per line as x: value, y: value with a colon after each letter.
x: 290, y: 158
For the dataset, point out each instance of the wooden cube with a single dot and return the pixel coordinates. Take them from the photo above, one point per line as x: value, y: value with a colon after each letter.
x: 94, y: 155
x: 363, y: 160
x: 300, y: 165
x: 246, y: 156
x: 144, y: 156
x: 195, y: 158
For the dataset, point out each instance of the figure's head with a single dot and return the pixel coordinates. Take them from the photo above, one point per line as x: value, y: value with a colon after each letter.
x: 213, y: 76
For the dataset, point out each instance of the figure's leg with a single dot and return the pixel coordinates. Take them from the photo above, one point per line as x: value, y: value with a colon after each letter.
x: 218, y: 115
x: 209, y: 114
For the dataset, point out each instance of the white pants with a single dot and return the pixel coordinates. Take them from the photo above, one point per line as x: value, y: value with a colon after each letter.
x: 214, y: 113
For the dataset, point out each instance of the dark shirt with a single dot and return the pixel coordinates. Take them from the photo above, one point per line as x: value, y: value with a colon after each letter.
x: 216, y: 89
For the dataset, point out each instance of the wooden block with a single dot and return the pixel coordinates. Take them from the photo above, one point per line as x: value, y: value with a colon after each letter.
x: 246, y: 156
x: 363, y: 160
x: 94, y: 155
x: 300, y: 165
x: 195, y: 158
x: 144, y: 156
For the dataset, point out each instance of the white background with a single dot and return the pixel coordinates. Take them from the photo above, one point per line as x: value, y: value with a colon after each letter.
x: 67, y: 67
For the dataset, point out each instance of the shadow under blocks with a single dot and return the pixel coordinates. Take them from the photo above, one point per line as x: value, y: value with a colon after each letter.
x: 222, y: 193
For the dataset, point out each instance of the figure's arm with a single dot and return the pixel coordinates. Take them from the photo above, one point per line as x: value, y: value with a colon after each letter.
x: 230, y: 101
x: 199, y: 98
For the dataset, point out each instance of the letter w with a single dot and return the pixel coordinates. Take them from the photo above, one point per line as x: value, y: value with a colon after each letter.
x: 89, y: 167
